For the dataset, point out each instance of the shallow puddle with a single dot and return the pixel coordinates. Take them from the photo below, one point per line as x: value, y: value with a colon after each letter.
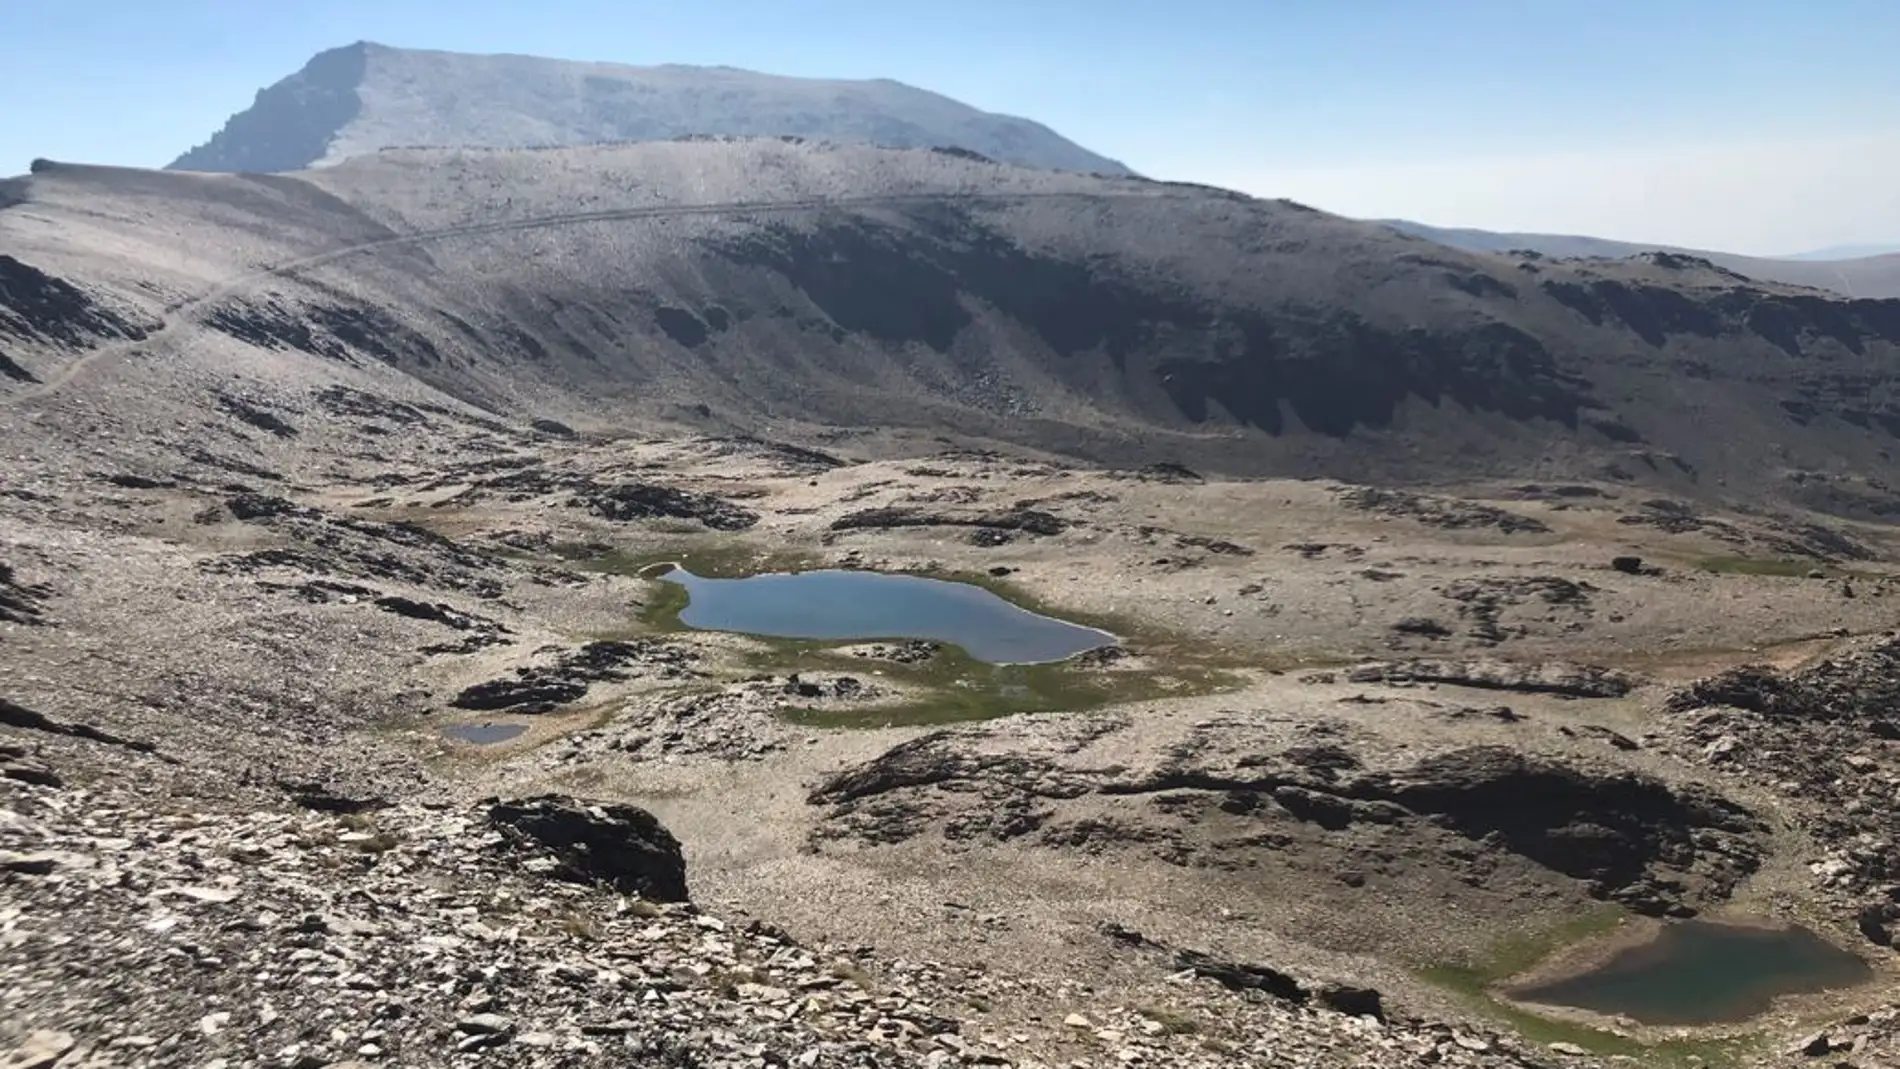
x: 485, y: 734
x: 838, y: 605
x: 1700, y: 972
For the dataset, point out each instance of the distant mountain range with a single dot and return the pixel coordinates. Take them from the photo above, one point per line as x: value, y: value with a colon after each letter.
x: 1845, y: 252
x: 365, y: 97
x: 1855, y: 270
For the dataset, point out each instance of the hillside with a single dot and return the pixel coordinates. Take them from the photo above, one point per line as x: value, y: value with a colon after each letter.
x: 1874, y: 273
x: 364, y: 97
x: 755, y: 284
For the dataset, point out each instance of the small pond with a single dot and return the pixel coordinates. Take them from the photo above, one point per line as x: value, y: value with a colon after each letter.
x: 484, y: 734
x: 842, y: 605
x: 1700, y: 972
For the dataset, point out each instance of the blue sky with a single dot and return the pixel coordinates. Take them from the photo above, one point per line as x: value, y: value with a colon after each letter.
x: 1765, y: 126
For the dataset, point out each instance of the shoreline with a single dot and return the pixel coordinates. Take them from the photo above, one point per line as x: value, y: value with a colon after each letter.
x: 1636, y: 933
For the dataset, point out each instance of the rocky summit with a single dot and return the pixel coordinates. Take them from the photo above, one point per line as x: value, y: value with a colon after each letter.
x: 1465, y: 619
x: 366, y: 96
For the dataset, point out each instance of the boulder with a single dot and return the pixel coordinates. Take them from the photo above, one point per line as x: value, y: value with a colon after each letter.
x: 622, y: 846
x: 1350, y: 1000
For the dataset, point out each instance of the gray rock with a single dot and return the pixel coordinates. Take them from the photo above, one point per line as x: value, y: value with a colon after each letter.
x: 42, y: 1050
x: 482, y: 1024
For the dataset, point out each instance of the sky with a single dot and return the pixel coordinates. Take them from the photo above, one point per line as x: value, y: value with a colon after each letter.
x: 1754, y: 126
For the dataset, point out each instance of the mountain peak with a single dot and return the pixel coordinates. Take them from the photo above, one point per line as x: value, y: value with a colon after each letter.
x: 366, y: 96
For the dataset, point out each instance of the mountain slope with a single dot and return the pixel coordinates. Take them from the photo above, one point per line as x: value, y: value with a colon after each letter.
x: 805, y: 289
x: 1861, y: 275
x: 365, y: 97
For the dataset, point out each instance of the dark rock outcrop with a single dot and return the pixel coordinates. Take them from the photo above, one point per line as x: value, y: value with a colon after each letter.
x: 1609, y: 829
x: 1251, y: 976
x: 20, y: 766
x: 646, y: 501
x: 321, y: 798
x: 622, y: 846
x: 536, y: 689
x: 343, y: 333
x: 1564, y: 680
x: 532, y: 694
x: 353, y: 548
x: 35, y: 306
x: 1861, y: 685
x: 19, y: 716
x: 252, y: 507
x: 1029, y: 521
x: 256, y: 415
x: 1493, y: 607
x: 1444, y: 512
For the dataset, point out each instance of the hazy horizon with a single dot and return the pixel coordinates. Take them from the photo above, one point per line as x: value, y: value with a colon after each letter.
x: 1749, y: 127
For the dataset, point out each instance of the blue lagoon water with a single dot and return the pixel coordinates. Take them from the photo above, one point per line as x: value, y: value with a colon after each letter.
x: 850, y: 605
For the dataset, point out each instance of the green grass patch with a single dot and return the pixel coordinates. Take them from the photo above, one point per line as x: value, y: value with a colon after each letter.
x: 1473, y: 981
x: 1521, y: 950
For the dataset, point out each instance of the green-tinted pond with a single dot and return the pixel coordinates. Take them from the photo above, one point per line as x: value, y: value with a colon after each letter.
x: 1700, y: 972
x: 847, y: 605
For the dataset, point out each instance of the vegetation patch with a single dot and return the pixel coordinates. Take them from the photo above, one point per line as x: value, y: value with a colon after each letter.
x: 954, y: 688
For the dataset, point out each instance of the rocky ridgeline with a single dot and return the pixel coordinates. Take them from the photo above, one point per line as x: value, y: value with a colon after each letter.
x: 531, y: 933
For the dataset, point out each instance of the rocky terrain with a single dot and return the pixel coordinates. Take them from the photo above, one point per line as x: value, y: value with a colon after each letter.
x: 260, y: 783
x: 365, y: 97
x: 342, y: 723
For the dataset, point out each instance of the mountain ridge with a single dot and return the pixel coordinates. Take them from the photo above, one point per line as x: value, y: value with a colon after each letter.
x: 1871, y: 275
x: 1116, y: 320
x: 365, y: 97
